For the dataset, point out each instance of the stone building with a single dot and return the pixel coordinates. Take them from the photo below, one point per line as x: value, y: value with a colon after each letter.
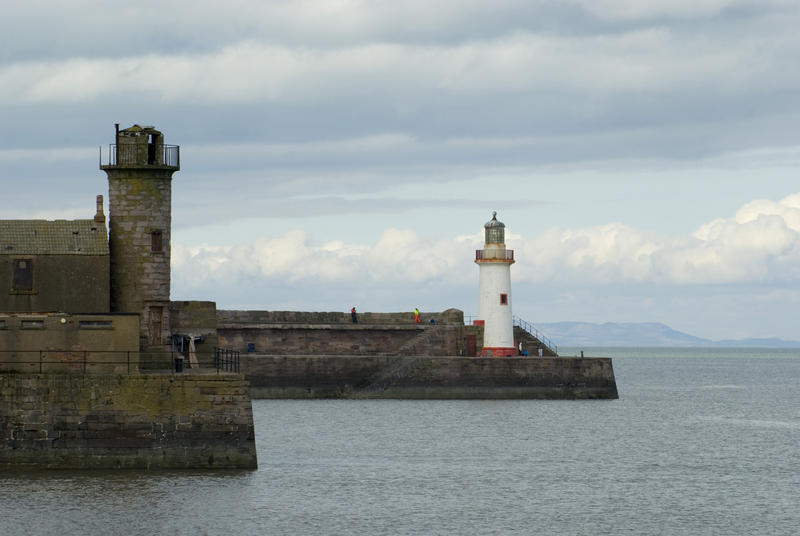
x: 55, y: 265
x: 64, y: 278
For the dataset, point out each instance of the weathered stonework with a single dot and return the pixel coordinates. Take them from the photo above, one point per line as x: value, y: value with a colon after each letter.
x: 151, y: 421
x: 69, y: 343
x: 140, y: 206
x: 330, y: 376
x: 310, y: 333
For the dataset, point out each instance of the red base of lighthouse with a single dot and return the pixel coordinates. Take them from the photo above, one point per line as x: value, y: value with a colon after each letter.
x: 495, y: 351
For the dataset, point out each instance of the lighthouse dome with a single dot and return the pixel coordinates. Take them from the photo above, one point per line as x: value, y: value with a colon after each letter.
x: 495, y: 230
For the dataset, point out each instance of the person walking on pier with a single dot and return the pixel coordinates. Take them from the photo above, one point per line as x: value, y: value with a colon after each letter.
x: 353, y: 315
x: 416, y: 315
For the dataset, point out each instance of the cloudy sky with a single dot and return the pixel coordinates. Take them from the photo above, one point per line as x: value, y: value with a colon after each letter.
x: 644, y: 155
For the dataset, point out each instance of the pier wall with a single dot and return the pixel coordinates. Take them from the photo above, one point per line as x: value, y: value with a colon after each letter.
x: 71, y: 421
x: 425, y: 377
x: 319, y: 333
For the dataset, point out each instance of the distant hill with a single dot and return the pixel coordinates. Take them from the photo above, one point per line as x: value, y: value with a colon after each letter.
x: 643, y: 334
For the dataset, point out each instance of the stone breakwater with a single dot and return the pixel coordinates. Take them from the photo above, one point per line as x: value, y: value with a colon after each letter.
x: 158, y: 421
x: 336, y: 376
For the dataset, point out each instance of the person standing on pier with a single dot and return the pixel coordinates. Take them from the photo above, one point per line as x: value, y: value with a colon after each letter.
x: 353, y: 315
x: 416, y: 315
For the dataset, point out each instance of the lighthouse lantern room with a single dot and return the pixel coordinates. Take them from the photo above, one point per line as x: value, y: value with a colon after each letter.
x: 494, y: 296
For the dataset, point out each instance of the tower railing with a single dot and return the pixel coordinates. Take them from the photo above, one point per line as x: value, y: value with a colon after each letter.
x: 494, y: 254
x: 133, y: 154
x: 530, y: 328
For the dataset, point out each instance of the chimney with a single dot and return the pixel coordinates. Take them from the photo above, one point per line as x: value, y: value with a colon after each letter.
x: 100, y: 217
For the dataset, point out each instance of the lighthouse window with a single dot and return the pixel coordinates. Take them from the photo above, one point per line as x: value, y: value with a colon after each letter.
x: 495, y: 235
x: 503, y: 299
x: 156, y: 242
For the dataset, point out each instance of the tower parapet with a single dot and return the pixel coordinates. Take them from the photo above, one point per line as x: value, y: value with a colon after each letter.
x: 139, y: 169
x: 142, y: 146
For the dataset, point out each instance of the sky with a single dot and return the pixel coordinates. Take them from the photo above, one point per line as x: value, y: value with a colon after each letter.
x: 643, y: 155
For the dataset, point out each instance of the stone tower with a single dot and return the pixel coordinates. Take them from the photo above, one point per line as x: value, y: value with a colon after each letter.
x: 494, y: 295
x: 139, y: 170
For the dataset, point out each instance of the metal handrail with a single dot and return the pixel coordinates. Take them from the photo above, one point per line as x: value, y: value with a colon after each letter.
x: 530, y: 328
x: 527, y: 326
x: 169, y: 155
x: 84, y: 361
x: 226, y: 359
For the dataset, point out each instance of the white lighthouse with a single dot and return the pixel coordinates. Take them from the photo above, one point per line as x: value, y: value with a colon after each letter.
x: 494, y: 300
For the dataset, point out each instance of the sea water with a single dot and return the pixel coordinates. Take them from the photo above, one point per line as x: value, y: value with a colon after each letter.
x: 701, y: 441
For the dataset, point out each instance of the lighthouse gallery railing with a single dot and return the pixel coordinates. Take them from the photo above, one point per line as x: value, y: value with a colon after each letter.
x: 496, y: 254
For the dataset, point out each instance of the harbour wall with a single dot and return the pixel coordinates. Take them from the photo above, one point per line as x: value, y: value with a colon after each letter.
x: 157, y: 421
x: 427, y: 377
x: 325, y: 333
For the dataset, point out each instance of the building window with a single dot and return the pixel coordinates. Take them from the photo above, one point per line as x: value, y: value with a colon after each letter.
x: 94, y: 324
x: 23, y: 274
x: 2, y: 324
x: 156, y: 242
x: 32, y: 324
x: 503, y: 299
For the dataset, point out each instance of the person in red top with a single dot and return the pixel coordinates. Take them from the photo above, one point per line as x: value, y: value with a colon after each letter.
x: 353, y: 315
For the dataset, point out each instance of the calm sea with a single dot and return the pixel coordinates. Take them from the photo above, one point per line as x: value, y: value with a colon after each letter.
x: 700, y: 442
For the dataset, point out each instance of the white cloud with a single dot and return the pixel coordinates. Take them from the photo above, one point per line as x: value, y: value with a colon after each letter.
x: 760, y: 244
x: 398, y: 256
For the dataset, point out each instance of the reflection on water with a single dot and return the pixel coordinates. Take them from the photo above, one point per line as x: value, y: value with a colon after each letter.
x: 696, y: 444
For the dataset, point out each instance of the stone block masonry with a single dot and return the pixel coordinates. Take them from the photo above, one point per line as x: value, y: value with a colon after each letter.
x: 291, y: 376
x: 143, y: 422
x: 316, y: 333
x: 140, y: 271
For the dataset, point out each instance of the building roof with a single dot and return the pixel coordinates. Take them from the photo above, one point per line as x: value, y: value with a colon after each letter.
x: 59, y: 237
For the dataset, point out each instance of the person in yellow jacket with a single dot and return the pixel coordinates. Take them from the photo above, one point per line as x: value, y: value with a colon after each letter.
x: 416, y: 315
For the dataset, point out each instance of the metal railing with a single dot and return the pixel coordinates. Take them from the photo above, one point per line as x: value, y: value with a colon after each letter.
x: 523, y: 324
x: 113, y: 362
x: 82, y: 361
x: 494, y: 254
x: 530, y: 328
x: 226, y: 360
x: 164, y: 155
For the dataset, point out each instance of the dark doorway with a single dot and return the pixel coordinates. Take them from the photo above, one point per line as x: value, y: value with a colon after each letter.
x: 156, y: 319
x: 472, y: 345
x: 151, y: 149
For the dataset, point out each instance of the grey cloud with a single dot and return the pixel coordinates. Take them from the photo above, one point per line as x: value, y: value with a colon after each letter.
x: 326, y: 206
x: 685, y: 83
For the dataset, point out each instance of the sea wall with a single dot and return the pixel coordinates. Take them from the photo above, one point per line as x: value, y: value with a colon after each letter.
x: 225, y: 316
x: 141, y: 421
x: 315, y: 333
x: 329, y: 376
